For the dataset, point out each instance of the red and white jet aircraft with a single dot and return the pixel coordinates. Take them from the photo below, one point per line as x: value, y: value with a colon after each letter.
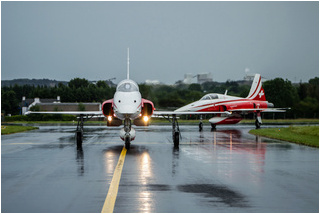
x: 226, y: 109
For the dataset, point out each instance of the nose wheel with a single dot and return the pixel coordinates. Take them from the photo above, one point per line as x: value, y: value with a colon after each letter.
x: 127, y: 136
x: 127, y: 142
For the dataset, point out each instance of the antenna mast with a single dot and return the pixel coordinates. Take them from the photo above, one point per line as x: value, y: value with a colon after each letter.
x: 128, y: 64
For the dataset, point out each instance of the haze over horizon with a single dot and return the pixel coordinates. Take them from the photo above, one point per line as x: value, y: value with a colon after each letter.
x: 64, y: 40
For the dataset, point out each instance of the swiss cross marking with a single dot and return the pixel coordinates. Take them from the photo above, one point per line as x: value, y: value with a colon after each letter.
x: 261, y: 94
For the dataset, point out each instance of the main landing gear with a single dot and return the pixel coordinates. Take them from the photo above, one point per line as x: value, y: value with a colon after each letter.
x: 175, y: 130
x: 200, y: 124
x: 79, y: 132
x: 258, y: 121
x: 213, y: 127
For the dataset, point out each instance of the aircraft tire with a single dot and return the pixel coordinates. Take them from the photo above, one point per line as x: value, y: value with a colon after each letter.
x: 79, y: 137
x: 200, y: 126
x: 257, y: 124
x: 176, y: 139
x: 127, y: 143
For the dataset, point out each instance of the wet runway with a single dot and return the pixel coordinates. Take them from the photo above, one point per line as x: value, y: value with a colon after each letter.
x: 227, y: 170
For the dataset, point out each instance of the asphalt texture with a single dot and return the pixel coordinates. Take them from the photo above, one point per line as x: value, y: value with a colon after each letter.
x: 227, y: 170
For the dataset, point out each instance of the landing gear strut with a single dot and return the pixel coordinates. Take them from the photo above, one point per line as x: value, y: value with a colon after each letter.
x: 79, y: 131
x: 127, y: 129
x: 258, y: 121
x: 200, y: 124
x: 175, y: 131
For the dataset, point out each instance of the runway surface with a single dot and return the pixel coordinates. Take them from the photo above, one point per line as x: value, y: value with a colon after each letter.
x: 227, y: 170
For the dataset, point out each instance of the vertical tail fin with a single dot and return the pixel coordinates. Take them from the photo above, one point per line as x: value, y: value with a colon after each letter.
x: 256, y: 91
x: 128, y: 76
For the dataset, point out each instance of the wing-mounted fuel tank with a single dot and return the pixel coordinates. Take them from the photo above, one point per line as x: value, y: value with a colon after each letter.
x: 225, y: 120
x: 107, y: 110
x: 147, y: 109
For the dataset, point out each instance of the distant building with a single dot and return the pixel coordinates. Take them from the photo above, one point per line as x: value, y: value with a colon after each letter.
x: 188, y: 78
x: 201, y: 78
x: 152, y: 82
x: 56, y: 105
x: 248, y: 77
x: 26, y: 104
x: 204, y: 77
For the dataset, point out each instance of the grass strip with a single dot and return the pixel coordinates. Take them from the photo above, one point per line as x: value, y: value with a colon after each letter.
x: 306, y: 135
x: 283, y: 121
x: 15, y: 129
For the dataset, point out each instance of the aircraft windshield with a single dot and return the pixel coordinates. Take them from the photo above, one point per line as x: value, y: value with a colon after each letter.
x: 210, y: 97
x: 127, y: 87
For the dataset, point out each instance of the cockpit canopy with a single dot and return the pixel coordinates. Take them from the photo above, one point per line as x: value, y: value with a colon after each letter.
x: 127, y: 86
x: 210, y: 97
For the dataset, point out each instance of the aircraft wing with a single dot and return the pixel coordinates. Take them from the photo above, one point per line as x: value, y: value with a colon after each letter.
x: 260, y: 109
x: 162, y: 113
x: 67, y: 112
x: 229, y: 112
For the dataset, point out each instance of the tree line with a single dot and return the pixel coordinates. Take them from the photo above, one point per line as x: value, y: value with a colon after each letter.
x: 302, y: 98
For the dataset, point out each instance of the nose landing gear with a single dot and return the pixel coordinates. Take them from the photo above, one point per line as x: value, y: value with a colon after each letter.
x: 127, y: 133
x: 127, y: 142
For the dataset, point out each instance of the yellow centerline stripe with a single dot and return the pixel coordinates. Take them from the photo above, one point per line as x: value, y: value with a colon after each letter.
x: 114, y: 185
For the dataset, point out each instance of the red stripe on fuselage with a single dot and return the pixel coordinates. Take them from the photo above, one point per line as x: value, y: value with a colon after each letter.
x: 229, y: 101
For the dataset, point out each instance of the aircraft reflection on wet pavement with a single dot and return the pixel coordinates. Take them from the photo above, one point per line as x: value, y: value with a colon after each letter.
x: 227, y: 170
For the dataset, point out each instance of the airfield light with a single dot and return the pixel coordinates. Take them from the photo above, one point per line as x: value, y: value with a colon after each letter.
x: 109, y: 118
x: 145, y: 118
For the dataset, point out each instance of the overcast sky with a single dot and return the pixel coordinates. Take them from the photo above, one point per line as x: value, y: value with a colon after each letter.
x: 64, y: 40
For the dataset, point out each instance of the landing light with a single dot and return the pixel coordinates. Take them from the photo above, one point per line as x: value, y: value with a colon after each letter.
x: 109, y: 118
x: 145, y: 118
